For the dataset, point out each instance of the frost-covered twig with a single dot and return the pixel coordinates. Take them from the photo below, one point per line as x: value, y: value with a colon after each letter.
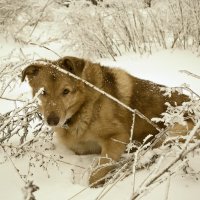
x: 190, y: 74
x: 50, y: 157
x: 13, y: 164
x: 40, y: 16
x: 8, y: 84
x: 29, y: 189
x: 129, y: 146
x: 134, y: 167
x: 42, y: 46
x: 11, y: 99
x: 17, y: 111
x: 152, y: 173
x: 181, y: 155
x: 160, y: 181
x: 119, y: 175
x: 167, y: 188
x: 168, y: 90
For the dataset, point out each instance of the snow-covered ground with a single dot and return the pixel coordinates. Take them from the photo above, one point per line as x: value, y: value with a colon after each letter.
x: 65, y: 181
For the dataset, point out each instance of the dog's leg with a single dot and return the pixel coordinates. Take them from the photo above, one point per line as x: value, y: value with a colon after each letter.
x: 111, y: 151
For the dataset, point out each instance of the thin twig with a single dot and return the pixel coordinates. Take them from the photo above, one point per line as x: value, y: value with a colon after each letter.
x: 10, y: 99
x: 42, y: 154
x: 190, y: 74
x: 13, y: 164
x: 42, y: 46
x: 19, y: 109
x: 134, y: 167
x: 119, y: 175
x: 181, y: 155
x: 168, y: 186
x: 42, y: 12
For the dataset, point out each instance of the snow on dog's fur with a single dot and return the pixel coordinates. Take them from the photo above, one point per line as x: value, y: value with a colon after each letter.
x: 85, y: 120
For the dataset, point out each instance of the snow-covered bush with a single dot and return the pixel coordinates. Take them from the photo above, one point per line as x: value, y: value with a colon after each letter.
x: 108, y: 29
x: 129, y: 26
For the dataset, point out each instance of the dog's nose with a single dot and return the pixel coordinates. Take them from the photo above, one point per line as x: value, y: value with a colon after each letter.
x: 53, y: 119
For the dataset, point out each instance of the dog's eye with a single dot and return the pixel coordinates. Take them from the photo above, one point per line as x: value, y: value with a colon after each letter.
x: 65, y: 91
x: 44, y: 93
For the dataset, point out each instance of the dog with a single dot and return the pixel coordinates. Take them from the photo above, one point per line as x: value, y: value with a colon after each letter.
x: 87, y: 121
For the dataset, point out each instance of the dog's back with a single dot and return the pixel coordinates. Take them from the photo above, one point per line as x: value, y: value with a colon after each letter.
x: 143, y: 95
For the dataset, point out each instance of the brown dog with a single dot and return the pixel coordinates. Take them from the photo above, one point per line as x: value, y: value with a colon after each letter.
x: 86, y: 120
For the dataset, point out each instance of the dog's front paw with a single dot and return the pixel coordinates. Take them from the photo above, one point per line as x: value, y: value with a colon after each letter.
x: 99, y: 176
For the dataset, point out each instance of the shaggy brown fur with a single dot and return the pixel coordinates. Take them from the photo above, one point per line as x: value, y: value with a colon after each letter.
x: 89, y: 122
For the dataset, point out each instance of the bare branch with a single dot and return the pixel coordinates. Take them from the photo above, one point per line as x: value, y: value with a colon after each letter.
x: 18, y: 110
x: 190, y: 74
x: 180, y: 156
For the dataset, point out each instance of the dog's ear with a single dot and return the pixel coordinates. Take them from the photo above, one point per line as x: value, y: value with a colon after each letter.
x: 31, y: 71
x: 93, y: 74
x: 72, y: 64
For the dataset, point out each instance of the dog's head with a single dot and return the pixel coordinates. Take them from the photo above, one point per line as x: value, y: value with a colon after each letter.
x: 63, y: 95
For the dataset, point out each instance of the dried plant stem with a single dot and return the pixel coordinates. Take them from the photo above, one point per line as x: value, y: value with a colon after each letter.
x: 10, y: 99
x: 134, y: 167
x: 131, y: 132
x: 163, y: 179
x: 39, y: 153
x: 109, y: 187
x: 188, y: 90
x: 13, y: 164
x: 181, y: 155
x: 152, y: 173
x: 168, y: 186
x: 41, y: 13
x: 8, y: 84
x: 112, y: 185
x: 42, y: 46
x: 190, y: 74
x: 18, y: 110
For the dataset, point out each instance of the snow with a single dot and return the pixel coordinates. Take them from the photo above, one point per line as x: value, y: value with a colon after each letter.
x: 63, y: 183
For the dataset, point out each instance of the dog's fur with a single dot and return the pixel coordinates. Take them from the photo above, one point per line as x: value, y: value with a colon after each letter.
x: 85, y: 120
